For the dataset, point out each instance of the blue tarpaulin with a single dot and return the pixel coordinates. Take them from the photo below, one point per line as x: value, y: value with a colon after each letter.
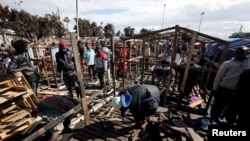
x: 234, y: 43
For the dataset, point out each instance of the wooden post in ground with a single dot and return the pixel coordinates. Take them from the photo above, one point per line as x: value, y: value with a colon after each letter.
x: 80, y: 77
x: 129, y: 64
x: 124, y: 63
x: 188, y: 62
x: 177, y: 30
x: 143, y: 60
x: 113, y: 62
x: 224, y: 53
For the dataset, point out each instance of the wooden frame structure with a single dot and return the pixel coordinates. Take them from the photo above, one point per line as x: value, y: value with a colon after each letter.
x: 175, y: 33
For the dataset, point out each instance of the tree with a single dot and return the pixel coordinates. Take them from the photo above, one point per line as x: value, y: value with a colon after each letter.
x: 118, y: 33
x: 84, y: 27
x: 109, y: 30
x: 240, y: 35
x: 99, y: 31
x: 144, y: 30
x: 66, y: 20
x: 26, y: 25
x: 129, y: 31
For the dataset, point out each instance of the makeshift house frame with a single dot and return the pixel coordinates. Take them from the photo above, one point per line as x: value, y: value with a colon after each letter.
x: 176, y: 32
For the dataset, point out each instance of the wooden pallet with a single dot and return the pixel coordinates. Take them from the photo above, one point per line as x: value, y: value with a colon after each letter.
x: 18, y: 79
x: 5, y: 85
x: 13, y: 123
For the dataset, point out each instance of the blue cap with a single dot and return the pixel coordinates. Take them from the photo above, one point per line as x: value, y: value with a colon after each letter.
x: 126, y: 99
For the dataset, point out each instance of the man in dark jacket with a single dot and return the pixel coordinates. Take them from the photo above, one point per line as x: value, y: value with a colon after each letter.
x: 65, y: 64
x: 238, y: 105
x: 21, y: 61
x: 141, y: 100
x: 54, y: 106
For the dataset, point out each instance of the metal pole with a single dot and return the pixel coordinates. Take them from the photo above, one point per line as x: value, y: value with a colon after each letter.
x: 200, y: 20
x: 77, y: 22
x: 163, y: 16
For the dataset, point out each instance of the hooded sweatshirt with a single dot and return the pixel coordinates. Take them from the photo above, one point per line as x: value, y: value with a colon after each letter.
x: 101, y: 61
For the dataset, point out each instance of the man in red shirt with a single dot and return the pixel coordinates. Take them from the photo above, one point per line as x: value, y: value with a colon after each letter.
x: 101, y: 65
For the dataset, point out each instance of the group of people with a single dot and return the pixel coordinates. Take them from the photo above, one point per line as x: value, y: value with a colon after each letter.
x: 229, y: 87
x: 97, y: 58
x: 54, y: 106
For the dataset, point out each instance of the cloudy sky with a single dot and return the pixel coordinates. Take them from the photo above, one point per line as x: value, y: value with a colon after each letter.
x: 221, y: 18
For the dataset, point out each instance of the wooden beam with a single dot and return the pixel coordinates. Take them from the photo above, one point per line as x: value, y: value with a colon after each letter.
x: 53, y: 123
x: 194, y: 136
x: 171, y: 66
x: 80, y: 77
x: 188, y: 62
x: 113, y: 62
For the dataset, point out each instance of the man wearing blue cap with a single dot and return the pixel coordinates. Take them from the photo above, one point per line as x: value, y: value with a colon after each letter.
x: 141, y: 100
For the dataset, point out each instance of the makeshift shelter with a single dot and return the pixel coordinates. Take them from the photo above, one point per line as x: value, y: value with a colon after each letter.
x: 176, y: 33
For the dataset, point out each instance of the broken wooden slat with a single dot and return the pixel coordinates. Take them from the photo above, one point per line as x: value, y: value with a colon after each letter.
x: 196, y: 103
x: 191, y: 131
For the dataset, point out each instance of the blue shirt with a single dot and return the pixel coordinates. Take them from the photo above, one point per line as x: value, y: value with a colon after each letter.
x: 89, y: 55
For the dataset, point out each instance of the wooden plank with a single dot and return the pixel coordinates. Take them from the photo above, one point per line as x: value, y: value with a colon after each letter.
x: 3, y: 100
x: 15, y: 114
x: 7, y: 108
x: 100, y: 132
x: 15, y: 128
x: 196, y: 103
x: 80, y: 77
x: 191, y: 131
x: 86, y: 136
x: 6, y: 85
x: 194, y: 35
x: 52, y: 124
x: 31, y: 127
x: 12, y: 94
x: 116, y: 128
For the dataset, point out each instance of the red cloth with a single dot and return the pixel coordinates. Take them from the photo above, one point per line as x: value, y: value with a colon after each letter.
x: 93, y: 43
x: 120, y: 66
x: 123, y: 53
x: 102, y: 55
x: 83, y: 61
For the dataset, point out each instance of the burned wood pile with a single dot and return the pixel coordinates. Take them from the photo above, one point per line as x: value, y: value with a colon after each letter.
x: 164, y: 126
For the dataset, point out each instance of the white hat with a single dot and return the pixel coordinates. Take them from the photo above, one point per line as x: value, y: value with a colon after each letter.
x: 116, y: 102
